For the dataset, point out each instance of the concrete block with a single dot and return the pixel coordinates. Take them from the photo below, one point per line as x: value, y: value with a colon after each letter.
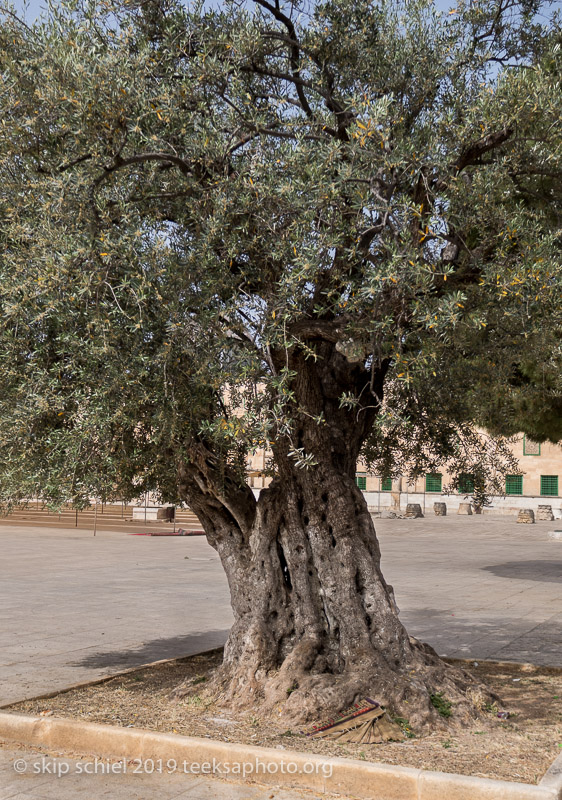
x: 526, y: 515
x: 440, y: 509
x: 465, y: 508
x: 150, y: 513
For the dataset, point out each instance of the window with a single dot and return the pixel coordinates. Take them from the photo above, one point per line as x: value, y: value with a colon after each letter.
x: 549, y: 484
x: 361, y: 481
x: 433, y: 482
x: 531, y: 448
x: 466, y: 483
x: 514, y: 484
x: 386, y: 484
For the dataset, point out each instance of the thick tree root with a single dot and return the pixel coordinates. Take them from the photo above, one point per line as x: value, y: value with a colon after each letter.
x: 419, y: 692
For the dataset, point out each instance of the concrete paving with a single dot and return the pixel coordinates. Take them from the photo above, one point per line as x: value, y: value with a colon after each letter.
x: 74, y: 607
x: 478, y: 587
x: 30, y: 775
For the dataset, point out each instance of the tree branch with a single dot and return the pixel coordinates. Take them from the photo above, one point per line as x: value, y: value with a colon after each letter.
x: 294, y: 50
x: 474, y: 152
x: 137, y: 159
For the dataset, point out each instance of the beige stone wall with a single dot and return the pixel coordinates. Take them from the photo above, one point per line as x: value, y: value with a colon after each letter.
x: 257, y: 465
x: 547, y: 461
x: 534, y: 460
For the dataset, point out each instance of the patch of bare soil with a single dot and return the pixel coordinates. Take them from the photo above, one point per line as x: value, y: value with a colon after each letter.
x: 520, y: 748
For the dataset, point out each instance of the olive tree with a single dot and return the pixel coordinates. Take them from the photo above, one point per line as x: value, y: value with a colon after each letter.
x: 329, y: 230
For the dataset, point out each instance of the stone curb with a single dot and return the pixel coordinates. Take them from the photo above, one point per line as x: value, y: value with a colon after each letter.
x: 359, y: 779
x: 552, y: 779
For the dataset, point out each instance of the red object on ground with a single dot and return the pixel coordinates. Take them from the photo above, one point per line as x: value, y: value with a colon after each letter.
x: 179, y: 532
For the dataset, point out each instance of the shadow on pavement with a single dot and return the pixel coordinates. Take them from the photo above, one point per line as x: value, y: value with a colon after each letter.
x: 542, y: 571
x: 157, y: 649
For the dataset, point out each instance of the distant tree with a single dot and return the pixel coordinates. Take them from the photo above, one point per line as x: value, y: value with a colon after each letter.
x: 327, y: 229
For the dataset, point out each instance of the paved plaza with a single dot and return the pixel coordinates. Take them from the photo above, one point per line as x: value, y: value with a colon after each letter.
x: 74, y: 607
x: 26, y: 774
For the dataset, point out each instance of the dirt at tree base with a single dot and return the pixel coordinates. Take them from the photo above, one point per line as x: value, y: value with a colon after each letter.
x: 520, y: 748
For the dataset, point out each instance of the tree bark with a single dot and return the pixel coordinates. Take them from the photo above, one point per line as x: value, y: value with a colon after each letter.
x: 315, y: 624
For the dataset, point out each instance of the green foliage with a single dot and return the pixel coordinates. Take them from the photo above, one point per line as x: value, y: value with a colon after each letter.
x: 195, y: 700
x: 405, y: 726
x: 440, y: 702
x: 190, y: 196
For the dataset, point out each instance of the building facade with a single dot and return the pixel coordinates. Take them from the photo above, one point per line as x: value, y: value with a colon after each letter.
x: 539, y: 483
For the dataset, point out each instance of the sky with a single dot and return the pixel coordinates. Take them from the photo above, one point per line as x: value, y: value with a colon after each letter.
x: 34, y: 6
x: 30, y: 9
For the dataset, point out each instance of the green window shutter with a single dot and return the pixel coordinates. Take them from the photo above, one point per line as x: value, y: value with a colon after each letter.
x: 549, y: 485
x: 514, y: 484
x: 361, y: 481
x: 466, y: 483
x: 386, y: 485
x: 433, y: 482
x: 531, y: 448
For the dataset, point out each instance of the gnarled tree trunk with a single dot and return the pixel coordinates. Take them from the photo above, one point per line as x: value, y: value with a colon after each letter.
x: 315, y: 624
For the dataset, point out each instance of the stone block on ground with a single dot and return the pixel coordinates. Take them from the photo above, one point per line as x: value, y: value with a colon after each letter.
x: 544, y: 512
x: 526, y: 515
x: 440, y: 509
x: 465, y: 508
x: 413, y: 511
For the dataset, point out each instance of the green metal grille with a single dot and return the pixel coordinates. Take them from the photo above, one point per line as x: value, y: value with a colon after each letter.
x: 386, y: 485
x: 466, y: 483
x: 531, y: 448
x: 549, y: 484
x: 361, y: 481
x: 514, y: 484
x: 433, y: 482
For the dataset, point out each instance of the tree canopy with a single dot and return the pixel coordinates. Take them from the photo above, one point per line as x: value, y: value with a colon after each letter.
x: 189, y: 196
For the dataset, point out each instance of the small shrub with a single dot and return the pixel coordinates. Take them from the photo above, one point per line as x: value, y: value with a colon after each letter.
x: 195, y: 700
x: 441, y: 704
x: 405, y: 725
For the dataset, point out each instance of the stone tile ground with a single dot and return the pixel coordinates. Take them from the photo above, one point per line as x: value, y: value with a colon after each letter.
x: 74, y: 607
